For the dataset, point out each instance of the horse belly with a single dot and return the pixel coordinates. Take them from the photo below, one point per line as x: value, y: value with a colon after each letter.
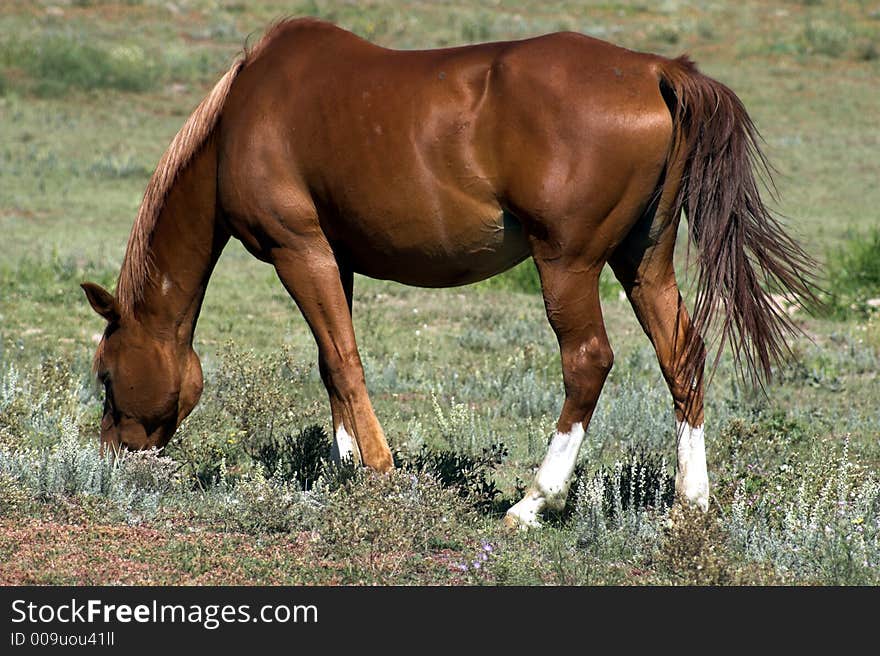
x: 440, y: 254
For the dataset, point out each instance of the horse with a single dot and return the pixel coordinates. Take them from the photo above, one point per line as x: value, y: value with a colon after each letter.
x: 326, y: 155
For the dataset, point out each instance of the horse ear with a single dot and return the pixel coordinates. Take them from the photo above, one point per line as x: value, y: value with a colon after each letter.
x: 101, y: 301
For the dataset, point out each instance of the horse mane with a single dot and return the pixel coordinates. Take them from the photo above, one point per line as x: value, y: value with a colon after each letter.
x: 137, y: 264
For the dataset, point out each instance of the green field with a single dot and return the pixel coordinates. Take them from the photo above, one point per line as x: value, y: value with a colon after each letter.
x: 91, y: 93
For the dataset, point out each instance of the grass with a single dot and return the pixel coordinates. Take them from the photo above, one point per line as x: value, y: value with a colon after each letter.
x: 89, y: 99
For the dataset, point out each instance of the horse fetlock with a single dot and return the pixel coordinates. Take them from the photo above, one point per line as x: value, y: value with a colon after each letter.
x: 344, y: 447
x: 556, y: 501
x: 524, y: 514
x: 691, y: 476
x: 693, y: 492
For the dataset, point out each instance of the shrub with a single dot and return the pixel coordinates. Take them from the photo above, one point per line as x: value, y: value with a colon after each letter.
x: 865, y: 50
x: 35, y: 404
x: 57, y: 63
x: 114, y: 167
x: 68, y: 468
x: 205, y: 454
x: 693, y: 548
x: 257, y: 405
x: 604, y: 522
x: 521, y: 278
x: 827, y: 530
x: 829, y: 39
x: 470, y: 475
x: 641, y: 481
x: 132, y: 484
x: 854, y: 276
x: 15, y: 499
x: 303, y: 459
x: 632, y: 410
x: 260, y: 505
x: 665, y: 34
x: 524, y: 278
x: 262, y: 395
x: 60, y: 63
x: 377, y: 524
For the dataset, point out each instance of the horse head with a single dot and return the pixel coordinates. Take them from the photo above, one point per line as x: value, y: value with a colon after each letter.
x: 151, y: 382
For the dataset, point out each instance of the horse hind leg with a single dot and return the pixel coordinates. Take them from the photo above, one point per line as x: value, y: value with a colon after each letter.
x: 574, y: 312
x: 643, y: 264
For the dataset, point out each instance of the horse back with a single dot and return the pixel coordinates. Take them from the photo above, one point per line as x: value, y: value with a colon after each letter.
x: 396, y: 150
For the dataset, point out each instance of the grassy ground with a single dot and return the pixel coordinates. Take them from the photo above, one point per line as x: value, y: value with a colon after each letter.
x: 90, y: 95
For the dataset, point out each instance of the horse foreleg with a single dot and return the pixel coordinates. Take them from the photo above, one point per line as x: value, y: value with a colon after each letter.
x: 312, y: 277
x: 571, y: 297
x: 344, y: 446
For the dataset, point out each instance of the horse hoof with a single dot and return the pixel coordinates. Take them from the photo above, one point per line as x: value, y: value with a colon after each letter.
x: 514, y: 522
x: 698, y: 501
x: 701, y: 502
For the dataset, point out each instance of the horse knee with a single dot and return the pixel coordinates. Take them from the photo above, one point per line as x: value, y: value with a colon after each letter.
x: 342, y: 375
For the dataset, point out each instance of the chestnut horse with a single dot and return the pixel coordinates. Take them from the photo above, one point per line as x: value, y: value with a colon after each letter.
x: 326, y: 155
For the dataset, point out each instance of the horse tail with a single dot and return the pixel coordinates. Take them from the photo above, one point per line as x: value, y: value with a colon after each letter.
x: 743, y: 251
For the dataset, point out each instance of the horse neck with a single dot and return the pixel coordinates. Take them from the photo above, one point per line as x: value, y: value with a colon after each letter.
x: 185, y: 244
